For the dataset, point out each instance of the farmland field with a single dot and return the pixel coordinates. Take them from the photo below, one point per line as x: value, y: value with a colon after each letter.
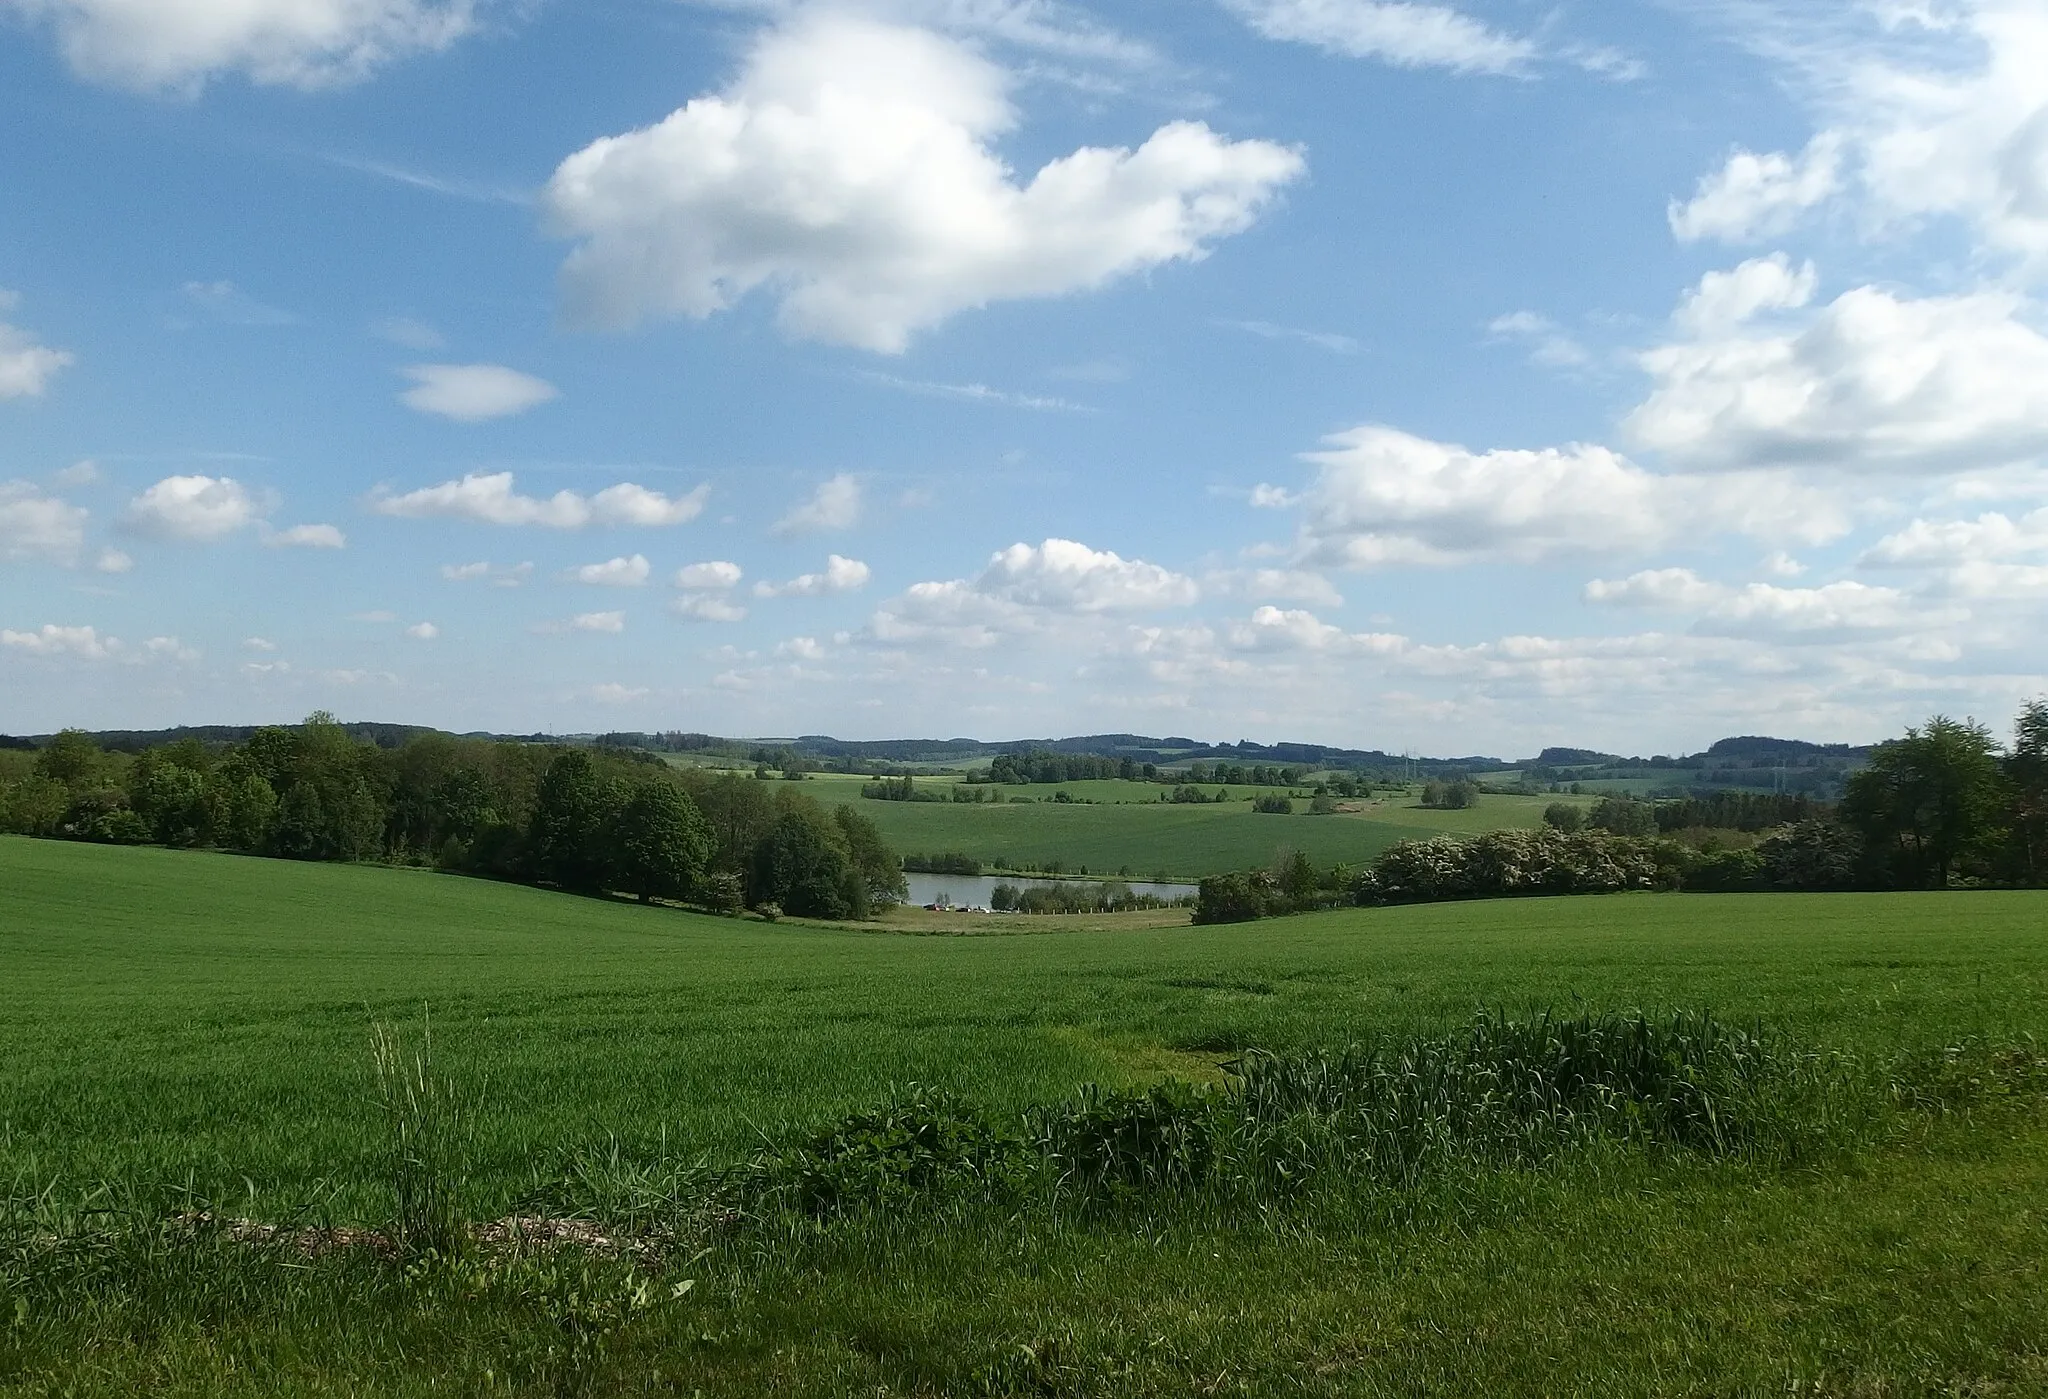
x: 203, y: 1020
x: 1123, y: 828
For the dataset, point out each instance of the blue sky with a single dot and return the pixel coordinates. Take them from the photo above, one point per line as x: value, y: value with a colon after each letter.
x: 1395, y: 375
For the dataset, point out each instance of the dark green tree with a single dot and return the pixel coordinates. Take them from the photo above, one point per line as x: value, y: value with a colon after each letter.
x: 571, y: 823
x: 2027, y: 774
x: 1930, y: 803
x: 660, y: 843
x: 880, y: 868
x: 802, y: 868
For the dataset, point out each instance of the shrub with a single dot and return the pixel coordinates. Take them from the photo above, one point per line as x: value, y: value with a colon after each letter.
x: 1273, y: 805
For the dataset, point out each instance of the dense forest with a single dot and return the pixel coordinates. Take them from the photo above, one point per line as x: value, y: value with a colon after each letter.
x: 591, y: 821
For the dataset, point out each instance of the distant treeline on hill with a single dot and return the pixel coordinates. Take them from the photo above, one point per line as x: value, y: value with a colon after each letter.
x: 1754, y: 763
x: 576, y: 818
x: 1944, y: 806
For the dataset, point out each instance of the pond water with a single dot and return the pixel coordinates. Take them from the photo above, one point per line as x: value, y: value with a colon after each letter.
x: 972, y: 891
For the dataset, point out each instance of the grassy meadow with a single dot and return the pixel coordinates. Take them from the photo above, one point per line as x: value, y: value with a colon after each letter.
x: 178, y: 1021
x: 1123, y: 828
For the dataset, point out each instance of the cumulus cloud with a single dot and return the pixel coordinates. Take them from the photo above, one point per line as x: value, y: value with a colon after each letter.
x: 38, y: 526
x: 180, y: 44
x: 848, y: 170
x: 1549, y: 344
x: 1031, y: 588
x: 1274, y: 584
x: 113, y: 561
x: 26, y: 367
x: 1754, y: 197
x: 499, y: 576
x: 707, y: 607
x: 423, y: 631
x: 841, y: 575
x: 711, y: 575
x: 49, y: 640
x: 491, y: 499
x: 1766, y: 609
x: 835, y: 505
x: 1273, y: 629
x: 1872, y: 381
x: 1952, y: 543
x: 1386, y: 497
x: 614, y: 573
x: 306, y: 537
x: 1408, y: 35
x: 1927, y: 111
x: 195, y: 509
x: 473, y: 393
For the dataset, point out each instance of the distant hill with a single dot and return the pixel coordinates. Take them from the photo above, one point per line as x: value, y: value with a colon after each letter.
x: 1749, y: 763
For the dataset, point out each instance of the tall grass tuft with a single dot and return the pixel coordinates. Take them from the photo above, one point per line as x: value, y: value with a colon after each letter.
x: 1382, y: 1115
x: 429, y: 1123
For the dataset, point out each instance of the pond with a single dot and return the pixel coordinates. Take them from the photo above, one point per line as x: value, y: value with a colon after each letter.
x: 972, y: 891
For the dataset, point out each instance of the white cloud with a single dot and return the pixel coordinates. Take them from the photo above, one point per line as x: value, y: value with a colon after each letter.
x: 1724, y: 300
x: 1548, y: 343
x: 611, y: 692
x: 410, y: 333
x: 1754, y: 197
x: 1030, y: 589
x: 1952, y: 543
x: 113, y: 561
x: 977, y: 393
x: 1932, y: 110
x: 197, y: 509
x: 465, y: 572
x: 473, y: 393
x: 180, y: 44
x: 1274, y: 584
x: 50, y: 640
x: 709, y: 576
x: 849, y: 171
x: 707, y: 607
x: 1320, y: 339
x: 1409, y: 35
x: 79, y: 473
x: 258, y: 644
x: 841, y: 575
x: 835, y: 505
x: 1383, y: 497
x: 801, y: 648
x: 1872, y: 381
x: 1766, y: 609
x: 38, y: 526
x: 306, y: 537
x: 423, y: 631
x: 228, y: 304
x: 490, y: 499
x: 26, y: 367
x: 608, y: 623
x: 1273, y: 629
x: 614, y: 573
x: 169, y: 648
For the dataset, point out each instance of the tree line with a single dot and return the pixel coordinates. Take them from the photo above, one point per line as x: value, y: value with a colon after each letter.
x: 1944, y: 806
x: 589, y: 821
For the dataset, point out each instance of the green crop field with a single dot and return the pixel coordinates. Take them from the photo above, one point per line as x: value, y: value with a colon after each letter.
x: 203, y: 1021
x: 1123, y: 827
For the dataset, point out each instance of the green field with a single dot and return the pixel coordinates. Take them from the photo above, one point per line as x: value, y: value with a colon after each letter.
x: 1123, y: 828
x: 171, y: 1018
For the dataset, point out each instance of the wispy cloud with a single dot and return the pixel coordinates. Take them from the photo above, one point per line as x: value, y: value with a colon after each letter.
x: 977, y: 393
x: 1321, y: 339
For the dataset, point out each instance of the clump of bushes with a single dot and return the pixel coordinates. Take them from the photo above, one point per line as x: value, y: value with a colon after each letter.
x: 1503, y: 864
